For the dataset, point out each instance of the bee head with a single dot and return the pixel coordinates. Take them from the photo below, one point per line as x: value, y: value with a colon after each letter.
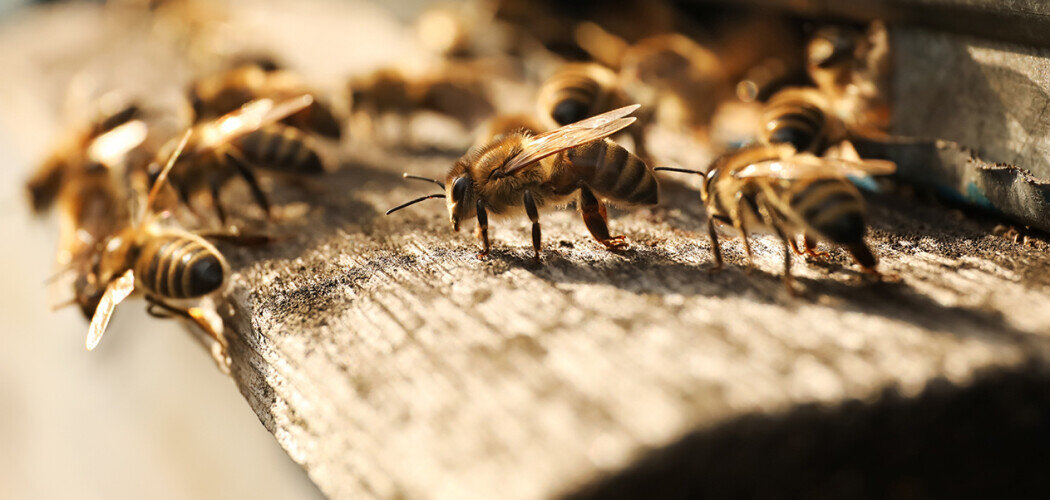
x: 831, y: 47
x: 460, y: 199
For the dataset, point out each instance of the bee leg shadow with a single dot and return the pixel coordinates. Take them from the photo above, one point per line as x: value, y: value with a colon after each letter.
x: 245, y: 170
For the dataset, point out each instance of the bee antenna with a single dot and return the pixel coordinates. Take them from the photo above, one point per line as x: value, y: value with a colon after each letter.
x: 407, y: 175
x: 163, y: 176
x: 413, y: 202
x: 679, y: 170
x: 59, y: 273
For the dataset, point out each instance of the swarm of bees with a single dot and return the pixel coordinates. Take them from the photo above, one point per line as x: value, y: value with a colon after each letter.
x: 125, y: 186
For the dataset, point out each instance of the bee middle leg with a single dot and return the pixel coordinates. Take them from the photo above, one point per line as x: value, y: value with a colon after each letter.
x: 738, y: 222
x: 534, y: 216
x: 596, y: 220
x: 865, y: 259
x: 245, y: 170
x: 483, y: 229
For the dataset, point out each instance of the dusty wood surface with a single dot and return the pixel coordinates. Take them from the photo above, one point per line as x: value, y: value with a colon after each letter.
x: 390, y: 361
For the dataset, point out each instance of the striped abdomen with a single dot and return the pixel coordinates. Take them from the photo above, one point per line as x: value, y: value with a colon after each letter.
x: 179, y: 267
x: 283, y: 148
x: 613, y: 172
x: 795, y: 122
x: 577, y: 92
x: 832, y: 207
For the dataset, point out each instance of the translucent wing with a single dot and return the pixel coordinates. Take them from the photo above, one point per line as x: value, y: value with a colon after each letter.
x: 116, y: 291
x: 806, y: 166
x: 569, y: 136
x: 248, y: 119
x: 111, y: 147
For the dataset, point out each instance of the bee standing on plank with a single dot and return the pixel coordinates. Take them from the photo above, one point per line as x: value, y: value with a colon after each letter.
x: 235, y: 143
x: 793, y: 194
x: 519, y: 171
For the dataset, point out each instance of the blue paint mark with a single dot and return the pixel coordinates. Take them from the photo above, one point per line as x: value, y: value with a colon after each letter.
x: 865, y: 182
x: 975, y: 195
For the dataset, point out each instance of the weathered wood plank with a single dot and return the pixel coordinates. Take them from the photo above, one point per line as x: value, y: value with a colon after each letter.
x: 389, y: 360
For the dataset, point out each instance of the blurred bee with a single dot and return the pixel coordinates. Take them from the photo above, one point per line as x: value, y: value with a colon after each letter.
x: 235, y: 143
x: 581, y: 90
x: 852, y: 68
x: 46, y: 183
x: 389, y: 92
x: 681, y: 80
x: 801, y: 117
x: 509, y: 124
x: 166, y: 264
x: 225, y: 92
x: 519, y: 170
x: 793, y: 194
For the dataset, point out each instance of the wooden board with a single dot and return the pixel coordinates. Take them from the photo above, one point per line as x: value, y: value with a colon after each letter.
x: 389, y: 360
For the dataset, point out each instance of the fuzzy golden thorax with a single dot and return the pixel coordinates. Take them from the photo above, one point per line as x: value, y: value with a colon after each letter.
x: 475, y: 179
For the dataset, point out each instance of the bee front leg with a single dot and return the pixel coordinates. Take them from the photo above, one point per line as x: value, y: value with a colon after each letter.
x: 716, y: 247
x: 483, y: 229
x: 738, y: 223
x: 534, y: 216
x: 595, y: 218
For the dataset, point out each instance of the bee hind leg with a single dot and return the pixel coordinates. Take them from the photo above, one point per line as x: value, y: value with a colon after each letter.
x: 534, y: 216
x: 864, y: 258
x: 811, y: 246
x: 159, y: 309
x: 596, y: 220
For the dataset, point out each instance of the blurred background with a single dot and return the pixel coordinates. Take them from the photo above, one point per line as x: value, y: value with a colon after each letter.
x: 148, y: 414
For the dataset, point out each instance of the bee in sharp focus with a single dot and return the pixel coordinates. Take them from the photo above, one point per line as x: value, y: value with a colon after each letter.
x: 793, y: 194
x: 235, y: 143
x: 166, y: 264
x: 226, y: 91
x: 581, y: 90
x: 519, y: 171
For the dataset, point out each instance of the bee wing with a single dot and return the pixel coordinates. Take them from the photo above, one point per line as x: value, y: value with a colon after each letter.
x: 569, y: 136
x: 109, y: 148
x: 806, y: 166
x: 116, y: 292
x: 248, y: 119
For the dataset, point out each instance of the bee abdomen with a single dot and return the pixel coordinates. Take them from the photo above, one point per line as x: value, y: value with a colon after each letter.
x: 614, y: 173
x: 833, y: 207
x: 283, y: 148
x: 797, y: 123
x: 178, y: 267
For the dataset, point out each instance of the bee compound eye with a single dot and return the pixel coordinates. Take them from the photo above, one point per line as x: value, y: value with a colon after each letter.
x: 459, y: 189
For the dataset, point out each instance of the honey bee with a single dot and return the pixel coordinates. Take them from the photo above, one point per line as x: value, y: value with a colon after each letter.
x: 851, y: 67
x: 235, y: 143
x: 523, y: 171
x: 681, y: 80
x: 225, y: 92
x: 793, y: 194
x: 166, y: 264
x: 801, y: 117
x: 46, y: 183
x: 581, y: 90
x: 389, y: 92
